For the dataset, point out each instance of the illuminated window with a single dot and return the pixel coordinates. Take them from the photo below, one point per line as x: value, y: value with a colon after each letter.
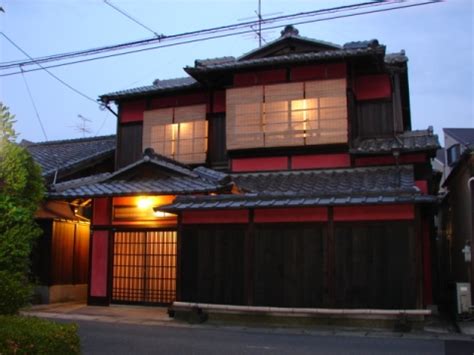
x: 179, y: 133
x: 308, y: 113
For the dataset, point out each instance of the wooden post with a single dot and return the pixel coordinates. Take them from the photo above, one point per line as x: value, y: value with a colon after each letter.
x: 330, y: 264
x: 249, y: 245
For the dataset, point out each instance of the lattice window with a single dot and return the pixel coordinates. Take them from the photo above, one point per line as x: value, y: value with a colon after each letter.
x: 179, y: 133
x: 308, y: 113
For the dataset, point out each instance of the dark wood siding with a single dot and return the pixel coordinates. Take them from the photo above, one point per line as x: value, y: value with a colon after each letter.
x: 212, y: 264
x: 69, y: 253
x: 375, y: 118
x: 41, y: 254
x: 375, y: 266
x: 129, y: 144
x: 217, y: 154
x: 289, y: 265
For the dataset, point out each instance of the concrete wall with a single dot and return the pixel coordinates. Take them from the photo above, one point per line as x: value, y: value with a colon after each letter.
x: 62, y: 293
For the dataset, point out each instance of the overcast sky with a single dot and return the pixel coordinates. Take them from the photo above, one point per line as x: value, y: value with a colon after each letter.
x: 437, y: 38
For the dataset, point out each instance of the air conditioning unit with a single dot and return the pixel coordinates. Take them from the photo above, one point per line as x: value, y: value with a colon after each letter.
x: 463, y: 297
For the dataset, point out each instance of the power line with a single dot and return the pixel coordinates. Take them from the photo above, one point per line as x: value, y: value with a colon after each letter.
x: 34, y: 106
x: 225, y: 28
x: 130, y: 17
x: 47, y: 71
x: 222, y: 36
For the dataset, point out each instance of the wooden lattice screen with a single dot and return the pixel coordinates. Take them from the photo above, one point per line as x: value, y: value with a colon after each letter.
x: 179, y: 133
x: 281, y: 115
x: 144, y: 267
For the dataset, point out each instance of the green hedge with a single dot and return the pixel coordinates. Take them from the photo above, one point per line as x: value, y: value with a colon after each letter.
x: 30, y: 335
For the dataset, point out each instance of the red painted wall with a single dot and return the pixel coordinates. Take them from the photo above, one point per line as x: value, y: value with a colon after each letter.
x: 219, y: 101
x: 99, y: 259
x: 371, y: 87
x: 215, y: 217
x: 259, y: 164
x: 272, y: 215
x: 316, y: 161
x: 390, y: 160
x: 260, y: 77
x: 101, y: 211
x: 422, y: 185
x: 374, y: 213
x: 196, y: 98
x: 319, y: 72
x: 132, y: 111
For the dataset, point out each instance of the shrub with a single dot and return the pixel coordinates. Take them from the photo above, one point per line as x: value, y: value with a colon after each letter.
x: 15, y: 292
x: 30, y: 335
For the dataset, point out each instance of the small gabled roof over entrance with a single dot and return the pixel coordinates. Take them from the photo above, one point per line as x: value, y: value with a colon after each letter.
x: 152, y: 175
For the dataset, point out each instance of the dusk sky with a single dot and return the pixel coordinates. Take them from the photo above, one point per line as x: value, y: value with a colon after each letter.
x: 437, y: 38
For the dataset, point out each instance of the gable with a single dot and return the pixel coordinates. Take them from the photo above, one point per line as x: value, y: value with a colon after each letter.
x: 290, y: 42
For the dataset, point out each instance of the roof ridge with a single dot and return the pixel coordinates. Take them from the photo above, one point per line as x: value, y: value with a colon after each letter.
x: 73, y: 140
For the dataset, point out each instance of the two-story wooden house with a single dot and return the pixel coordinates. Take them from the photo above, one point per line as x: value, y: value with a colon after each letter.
x: 288, y: 177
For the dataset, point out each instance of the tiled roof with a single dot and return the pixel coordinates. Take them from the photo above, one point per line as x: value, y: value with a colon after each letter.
x: 252, y: 201
x: 290, y: 33
x: 144, y: 186
x: 158, y: 86
x: 289, y: 58
x: 370, y: 185
x: 170, y: 177
x: 70, y: 154
x: 422, y: 140
x: 213, y: 61
x: 464, y: 136
x: 334, y: 182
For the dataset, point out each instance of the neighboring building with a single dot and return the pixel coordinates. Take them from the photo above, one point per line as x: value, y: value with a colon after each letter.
x: 456, y: 141
x: 304, y: 184
x: 60, y: 261
x: 456, y: 212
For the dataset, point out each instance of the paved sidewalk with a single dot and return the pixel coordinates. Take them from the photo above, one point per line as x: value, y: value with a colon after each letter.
x: 115, y: 313
x: 435, y: 328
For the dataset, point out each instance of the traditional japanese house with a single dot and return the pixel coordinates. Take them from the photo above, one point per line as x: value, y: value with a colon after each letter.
x: 304, y: 185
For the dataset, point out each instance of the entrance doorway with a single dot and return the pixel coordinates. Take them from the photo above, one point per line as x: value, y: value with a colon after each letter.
x: 144, y: 267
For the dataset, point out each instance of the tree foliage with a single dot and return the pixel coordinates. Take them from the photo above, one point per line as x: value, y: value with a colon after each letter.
x: 21, y: 190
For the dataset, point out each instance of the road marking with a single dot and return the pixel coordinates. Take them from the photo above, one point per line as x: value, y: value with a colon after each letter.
x: 260, y: 347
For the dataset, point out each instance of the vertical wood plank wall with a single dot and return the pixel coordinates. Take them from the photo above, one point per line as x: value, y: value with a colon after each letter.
x: 373, y: 265
x: 69, y: 253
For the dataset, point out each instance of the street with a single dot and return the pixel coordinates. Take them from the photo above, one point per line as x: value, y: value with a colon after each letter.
x: 118, y: 338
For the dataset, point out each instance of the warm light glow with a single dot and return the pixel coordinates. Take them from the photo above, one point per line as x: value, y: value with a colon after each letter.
x: 144, y: 202
x: 161, y: 214
x: 174, y: 137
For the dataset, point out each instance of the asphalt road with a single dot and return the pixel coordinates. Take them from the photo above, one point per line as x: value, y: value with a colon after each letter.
x: 117, y: 338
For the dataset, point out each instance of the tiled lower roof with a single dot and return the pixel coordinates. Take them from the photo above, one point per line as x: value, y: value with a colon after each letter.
x: 333, y: 182
x: 253, y: 201
x: 162, y: 186
x: 368, y: 185
x: 422, y: 140
x: 64, y: 155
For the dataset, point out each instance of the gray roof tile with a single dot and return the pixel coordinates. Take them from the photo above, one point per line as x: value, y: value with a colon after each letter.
x: 158, y: 86
x: 368, y: 185
x: 422, y: 140
x: 64, y: 155
x: 289, y: 58
x: 176, y: 179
